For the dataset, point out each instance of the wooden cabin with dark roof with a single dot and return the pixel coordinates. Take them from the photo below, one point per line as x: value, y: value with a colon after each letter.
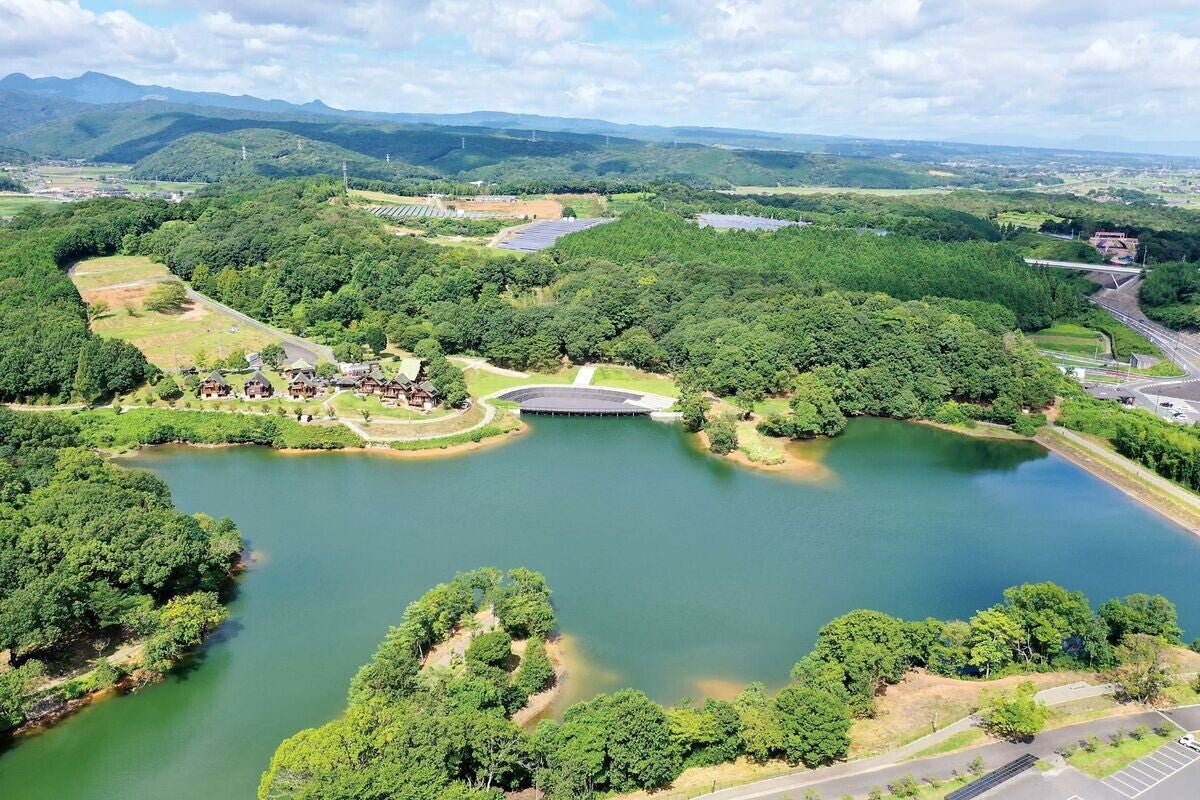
x: 302, y: 388
x: 214, y: 386
x: 372, y: 383
x: 257, y: 386
x: 396, y: 390
x: 423, y: 395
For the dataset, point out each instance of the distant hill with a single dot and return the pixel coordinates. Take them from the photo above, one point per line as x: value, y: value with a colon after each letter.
x: 100, y: 89
x: 22, y: 111
x: 171, y: 141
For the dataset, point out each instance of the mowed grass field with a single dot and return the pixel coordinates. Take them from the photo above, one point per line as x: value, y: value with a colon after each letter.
x: 1069, y: 338
x: 169, y: 340
x: 12, y: 204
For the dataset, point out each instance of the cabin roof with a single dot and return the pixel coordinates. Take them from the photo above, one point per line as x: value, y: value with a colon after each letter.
x: 217, y: 378
x: 300, y: 363
x: 258, y: 377
x: 409, y: 368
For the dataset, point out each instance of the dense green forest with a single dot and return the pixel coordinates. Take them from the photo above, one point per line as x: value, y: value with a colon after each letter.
x: 46, y: 349
x: 734, y: 313
x: 90, y: 550
x: 447, y: 732
x: 1170, y: 294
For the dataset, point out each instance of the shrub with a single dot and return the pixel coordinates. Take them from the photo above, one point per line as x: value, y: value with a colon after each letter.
x: 722, y: 435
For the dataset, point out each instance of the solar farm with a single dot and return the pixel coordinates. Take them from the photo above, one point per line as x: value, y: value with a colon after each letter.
x: 428, y: 212
x: 541, y: 235
x: 741, y: 222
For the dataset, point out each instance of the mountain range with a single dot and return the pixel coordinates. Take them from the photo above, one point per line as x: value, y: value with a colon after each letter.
x: 96, y: 88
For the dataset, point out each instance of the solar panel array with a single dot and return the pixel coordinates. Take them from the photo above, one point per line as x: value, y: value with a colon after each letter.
x: 427, y: 212
x: 742, y: 222
x: 541, y: 235
x: 993, y: 779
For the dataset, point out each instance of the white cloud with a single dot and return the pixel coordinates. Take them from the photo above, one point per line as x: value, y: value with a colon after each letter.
x: 931, y: 68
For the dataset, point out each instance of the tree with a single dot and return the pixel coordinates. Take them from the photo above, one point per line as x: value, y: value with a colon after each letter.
x: 15, y: 685
x: 179, y: 626
x: 325, y: 369
x: 97, y: 309
x: 1153, y: 615
x: 722, y: 435
x: 492, y: 648
x: 523, y: 604
x: 1016, y: 715
x: 1141, y: 673
x: 815, y: 725
x: 236, y: 361
x: 347, y: 352
x: 995, y: 637
x: 639, y: 749
x: 167, y: 388
x: 168, y: 297
x: 758, y: 725
x: 272, y: 354
x: 693, y: 407
x: 536, y: 673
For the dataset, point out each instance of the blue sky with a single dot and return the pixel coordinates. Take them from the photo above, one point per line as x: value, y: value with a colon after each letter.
x: 1022, y: 69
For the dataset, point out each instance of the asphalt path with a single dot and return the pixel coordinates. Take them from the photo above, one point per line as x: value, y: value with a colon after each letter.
x: 858, y: 778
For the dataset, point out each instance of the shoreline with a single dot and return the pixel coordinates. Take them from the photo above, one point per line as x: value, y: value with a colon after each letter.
x: 1128, y: 477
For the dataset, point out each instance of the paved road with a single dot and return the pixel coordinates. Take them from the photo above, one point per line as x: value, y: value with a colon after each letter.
x: 295, y: 346
x: 1182, y: 350
x: 1111, y: 269
x: 858, y: 778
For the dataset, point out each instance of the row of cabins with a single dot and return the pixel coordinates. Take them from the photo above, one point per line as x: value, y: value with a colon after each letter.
x: 303, y: 384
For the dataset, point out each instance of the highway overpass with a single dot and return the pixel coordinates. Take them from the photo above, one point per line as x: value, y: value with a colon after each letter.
x: 1110, y: 269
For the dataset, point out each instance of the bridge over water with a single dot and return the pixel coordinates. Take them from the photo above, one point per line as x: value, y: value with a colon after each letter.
x: 588, y: 400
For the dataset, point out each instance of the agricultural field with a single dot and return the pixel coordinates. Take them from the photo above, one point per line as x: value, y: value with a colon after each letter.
x: 586, y: 206
x: 169, y: 340
x: 621, y: 202
x: 93, y: 176
x: 12, y: 204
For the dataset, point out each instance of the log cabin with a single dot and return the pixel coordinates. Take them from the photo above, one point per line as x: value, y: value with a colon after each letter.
x: 300, y: 367
x: 302, y: 387
x: 423, y: 395
x: 257, y: 386
x: 214, y: 386
x: 371, y: 383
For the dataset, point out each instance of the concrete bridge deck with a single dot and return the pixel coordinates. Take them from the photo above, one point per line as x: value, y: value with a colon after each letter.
x: 585, y: 400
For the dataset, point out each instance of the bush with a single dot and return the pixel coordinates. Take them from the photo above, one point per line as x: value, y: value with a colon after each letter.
x: 722, y: 435
x: 168, y: 389
x: 492, y: 648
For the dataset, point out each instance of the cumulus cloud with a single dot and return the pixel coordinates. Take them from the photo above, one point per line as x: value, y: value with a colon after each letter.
x: 911, y: 68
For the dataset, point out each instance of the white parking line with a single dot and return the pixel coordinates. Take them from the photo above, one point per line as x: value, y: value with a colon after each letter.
x: 1150, y: 770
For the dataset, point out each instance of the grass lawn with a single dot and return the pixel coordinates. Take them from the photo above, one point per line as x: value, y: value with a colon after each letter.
x: 758, y: 448
x: 772, y: 405
x: 348, y: 404
x: 169, y: 340
x: 636, y: 380
x: 11, y: 204
x: 384, y: 198
x: 1107, y: 759
x: 1066, y: 337
x: 444, y: 426
x: 96, y: 273
x: 957, y: 741
x: 482, y: 382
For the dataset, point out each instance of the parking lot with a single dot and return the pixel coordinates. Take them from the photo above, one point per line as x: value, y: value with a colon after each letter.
x: 1164, y: 764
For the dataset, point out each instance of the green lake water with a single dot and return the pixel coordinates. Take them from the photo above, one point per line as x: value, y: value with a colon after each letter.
x: 670, y: 570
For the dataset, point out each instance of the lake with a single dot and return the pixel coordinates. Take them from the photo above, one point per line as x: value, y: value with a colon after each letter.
x: 672, y: 571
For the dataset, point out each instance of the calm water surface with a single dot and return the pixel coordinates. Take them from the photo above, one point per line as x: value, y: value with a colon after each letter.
x: 672, y: 572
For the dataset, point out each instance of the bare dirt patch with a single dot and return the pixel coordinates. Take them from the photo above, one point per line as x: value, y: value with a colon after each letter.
x: 908, y: 710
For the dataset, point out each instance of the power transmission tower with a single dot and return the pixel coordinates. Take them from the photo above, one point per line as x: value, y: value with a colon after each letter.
x: 243, y: 152
x: 345, y: 178
x: 387, y: 157
x: 464, y: 143
x: 534, y: 139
